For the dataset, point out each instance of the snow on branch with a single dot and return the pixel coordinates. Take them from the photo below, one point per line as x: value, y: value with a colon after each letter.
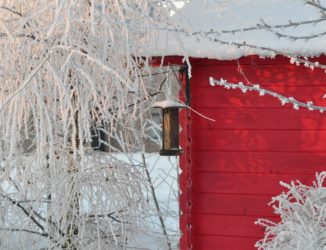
x: 263, y: 26
x: 272, y: 28
x: 255, y: 87
x: 302, y: 210
x: 316, y: 4
x: 71, y: 88
x: 279, y: 34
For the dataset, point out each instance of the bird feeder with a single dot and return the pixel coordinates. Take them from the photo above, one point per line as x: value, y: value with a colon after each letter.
x: 170, y: 126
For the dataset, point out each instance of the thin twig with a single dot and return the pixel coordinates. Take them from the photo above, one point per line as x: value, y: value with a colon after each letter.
x: 318, y: 6
x: 157, y: 206
x: 24, y: 230
x: 11, y: 10
x: 110, y: 215
x: 24, y: 211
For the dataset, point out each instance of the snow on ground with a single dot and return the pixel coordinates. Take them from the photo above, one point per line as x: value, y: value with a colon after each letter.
x: 219, y: 15
x: 164, y: 174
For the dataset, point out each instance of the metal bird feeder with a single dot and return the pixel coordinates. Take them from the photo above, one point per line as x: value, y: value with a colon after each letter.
x: 170, y: 126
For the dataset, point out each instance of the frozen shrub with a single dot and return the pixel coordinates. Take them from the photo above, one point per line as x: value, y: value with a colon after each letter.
x: 302, y: 211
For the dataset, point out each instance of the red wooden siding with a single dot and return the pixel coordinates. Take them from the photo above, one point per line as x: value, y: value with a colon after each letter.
x: 237, y: 162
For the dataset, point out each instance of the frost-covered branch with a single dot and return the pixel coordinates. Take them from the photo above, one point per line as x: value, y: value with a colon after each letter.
x: 263, y: 26
x: 302, y: 209
x: 23, y: 230
x: 315, y: 4
x: 260, y: 26
x: 11, y: 10
x: 69, y: 78
x: 275, y: 29
x: 25, y: 211
x: 256, y: 88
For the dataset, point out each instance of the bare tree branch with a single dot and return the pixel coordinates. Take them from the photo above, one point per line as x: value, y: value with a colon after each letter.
x: 315, y: 4
x: 11, y: 10
x: 24, y: 230
x: 25, y: 211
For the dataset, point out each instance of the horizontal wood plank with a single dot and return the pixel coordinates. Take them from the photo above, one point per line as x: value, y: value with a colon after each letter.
x: 252, y: 60
x: 259, y: 140
x: 266, y: 118
x: 227, y: 225
x: 218, y: 242
x: 236, y: 183
x: 227, y: 204
x: 267, y: 75
x: 259, y: 162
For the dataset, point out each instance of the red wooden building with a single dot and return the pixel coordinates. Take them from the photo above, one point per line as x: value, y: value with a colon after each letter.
x: 231, y: 168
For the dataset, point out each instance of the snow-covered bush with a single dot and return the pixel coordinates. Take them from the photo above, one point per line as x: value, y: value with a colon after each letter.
x: 302, y: 210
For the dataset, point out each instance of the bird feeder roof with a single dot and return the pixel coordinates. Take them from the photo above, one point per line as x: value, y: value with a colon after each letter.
x: 168, y: 104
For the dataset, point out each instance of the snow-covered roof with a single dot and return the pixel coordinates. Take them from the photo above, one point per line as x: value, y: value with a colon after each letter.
x: 219, y: 15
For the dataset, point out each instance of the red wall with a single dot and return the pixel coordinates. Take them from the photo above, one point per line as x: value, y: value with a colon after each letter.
x: 234, y: 165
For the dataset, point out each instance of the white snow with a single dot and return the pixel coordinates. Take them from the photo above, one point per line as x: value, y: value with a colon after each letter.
x: 168, y: 104
x: 164, y: 174
x: 1, y: 71
x: 218, y: 15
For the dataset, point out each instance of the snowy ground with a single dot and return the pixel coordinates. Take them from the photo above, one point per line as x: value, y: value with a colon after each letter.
x: 164, y: 174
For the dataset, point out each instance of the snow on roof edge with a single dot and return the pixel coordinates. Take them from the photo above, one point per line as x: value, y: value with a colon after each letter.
x: 230, y: 57
x: 219, y: 15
